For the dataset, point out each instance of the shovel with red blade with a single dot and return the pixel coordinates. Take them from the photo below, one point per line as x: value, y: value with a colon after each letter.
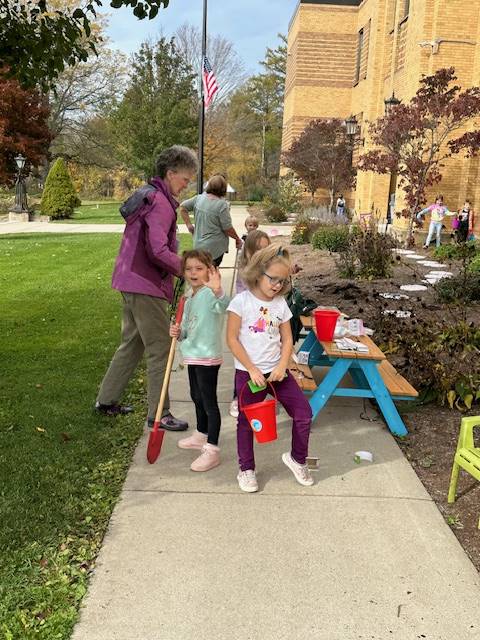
x: 157, y: 433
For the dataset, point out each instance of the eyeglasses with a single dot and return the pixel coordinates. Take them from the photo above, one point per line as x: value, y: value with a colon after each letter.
x: 276, y: 281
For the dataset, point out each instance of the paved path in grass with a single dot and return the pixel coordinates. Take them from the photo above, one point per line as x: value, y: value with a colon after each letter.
x: 238, y: 216
x: 363, y: 554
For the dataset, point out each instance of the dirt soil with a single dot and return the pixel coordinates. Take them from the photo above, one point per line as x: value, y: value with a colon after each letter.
x: 433, y: 430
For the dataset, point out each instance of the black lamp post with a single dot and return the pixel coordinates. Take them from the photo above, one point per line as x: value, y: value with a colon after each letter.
x: 391, y: 103
x: 20, y: 190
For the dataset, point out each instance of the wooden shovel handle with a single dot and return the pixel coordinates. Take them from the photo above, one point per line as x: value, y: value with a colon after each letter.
x: 166, y: 380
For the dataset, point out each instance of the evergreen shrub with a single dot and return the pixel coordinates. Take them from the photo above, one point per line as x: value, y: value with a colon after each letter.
x: 59, y: 198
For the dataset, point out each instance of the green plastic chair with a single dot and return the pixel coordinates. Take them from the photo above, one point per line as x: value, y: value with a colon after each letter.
x: 467, y: 455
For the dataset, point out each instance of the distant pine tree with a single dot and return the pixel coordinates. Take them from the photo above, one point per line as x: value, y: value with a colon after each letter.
x: 59, y: 197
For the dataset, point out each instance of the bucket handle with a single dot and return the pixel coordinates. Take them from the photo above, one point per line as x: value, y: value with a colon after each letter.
x: 241, y: 406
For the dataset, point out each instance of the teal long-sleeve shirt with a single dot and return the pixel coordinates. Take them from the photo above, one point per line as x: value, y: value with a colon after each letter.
x: 202, y: 327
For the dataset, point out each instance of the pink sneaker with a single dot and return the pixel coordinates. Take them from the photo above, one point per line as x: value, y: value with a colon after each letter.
x: 196, y: 441
x: 208, y: 459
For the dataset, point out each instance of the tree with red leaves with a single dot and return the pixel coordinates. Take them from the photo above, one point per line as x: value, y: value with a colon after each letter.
x: 23, y: 127
x: 414, y: 140
x: 322, y: 158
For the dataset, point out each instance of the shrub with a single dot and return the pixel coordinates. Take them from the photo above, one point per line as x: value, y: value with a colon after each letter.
x: 321, y: 214
x: 256, y: 194
x: 438, y: 357
x: 289, y: 193
x: 373, y: 251
x: 475, y: 264
x: 304, y: 229
x: 59, y: 198
x: 460, y: 289
x: 274, y: 213
x: 448, y: 252
x: 334, y: 238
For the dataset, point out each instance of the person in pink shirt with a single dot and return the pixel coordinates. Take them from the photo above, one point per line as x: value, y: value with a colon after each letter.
x: 437, y: 212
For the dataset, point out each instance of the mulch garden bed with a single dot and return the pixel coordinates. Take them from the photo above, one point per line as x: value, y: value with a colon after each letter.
x: 433, y: 430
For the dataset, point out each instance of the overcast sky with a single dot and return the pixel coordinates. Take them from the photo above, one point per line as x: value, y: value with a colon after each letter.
x: 252, y: 25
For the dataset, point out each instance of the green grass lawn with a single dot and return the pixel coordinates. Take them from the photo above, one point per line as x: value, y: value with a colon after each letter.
x: 61, y: 465
x: 96, y: 213
x: 99, y: 213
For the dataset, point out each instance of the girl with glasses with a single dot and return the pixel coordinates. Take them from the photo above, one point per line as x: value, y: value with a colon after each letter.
x: 260, y: 337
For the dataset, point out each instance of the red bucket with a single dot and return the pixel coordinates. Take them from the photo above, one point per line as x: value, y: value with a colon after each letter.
x: 325, y: 321
x: 261, y: 417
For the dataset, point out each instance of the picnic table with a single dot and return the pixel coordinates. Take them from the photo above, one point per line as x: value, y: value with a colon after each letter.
x: 371, y: 373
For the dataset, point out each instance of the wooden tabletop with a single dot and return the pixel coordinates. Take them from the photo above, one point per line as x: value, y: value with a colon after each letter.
x: 331, y: 349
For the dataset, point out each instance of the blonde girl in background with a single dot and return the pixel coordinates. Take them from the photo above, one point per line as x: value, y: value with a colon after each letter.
x: 255, y: 240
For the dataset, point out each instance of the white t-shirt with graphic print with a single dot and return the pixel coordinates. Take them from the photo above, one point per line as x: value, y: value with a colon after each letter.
x: 260, y: 328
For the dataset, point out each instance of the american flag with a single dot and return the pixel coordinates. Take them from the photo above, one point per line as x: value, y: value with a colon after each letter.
x: 210, y: 86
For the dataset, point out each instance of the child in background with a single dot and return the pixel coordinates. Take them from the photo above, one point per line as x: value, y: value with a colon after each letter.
x: 255, y: 240
x: 201, y: 345
x: 466, y: 220
x: 438, y: 212
x: 251, y: 224
x: 260, y: 338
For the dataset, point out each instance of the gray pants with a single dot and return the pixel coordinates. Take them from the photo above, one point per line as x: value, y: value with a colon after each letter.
x: 145, y: 328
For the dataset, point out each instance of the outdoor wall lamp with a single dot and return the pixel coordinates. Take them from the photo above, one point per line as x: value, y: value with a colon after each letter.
x: 391, y: 103
x: 353, y: 131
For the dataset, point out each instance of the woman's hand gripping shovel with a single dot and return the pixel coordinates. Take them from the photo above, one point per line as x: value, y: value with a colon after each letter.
x: 157, y: 434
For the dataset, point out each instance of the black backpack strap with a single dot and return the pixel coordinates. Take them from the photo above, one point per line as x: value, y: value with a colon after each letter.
x: 138, y: 199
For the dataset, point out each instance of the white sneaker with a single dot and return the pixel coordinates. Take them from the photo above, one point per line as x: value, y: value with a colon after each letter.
x: 247, y: 481
x: 300, y: 471
x: 233, y: 411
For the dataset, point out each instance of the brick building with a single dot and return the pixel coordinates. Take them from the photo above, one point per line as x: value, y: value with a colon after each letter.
x: 348, y: 56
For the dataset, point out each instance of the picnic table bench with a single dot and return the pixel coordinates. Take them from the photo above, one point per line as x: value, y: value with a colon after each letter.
x: 372, y: 374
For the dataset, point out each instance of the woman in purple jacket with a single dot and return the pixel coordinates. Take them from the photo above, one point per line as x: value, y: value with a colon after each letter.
x: 144, y: 273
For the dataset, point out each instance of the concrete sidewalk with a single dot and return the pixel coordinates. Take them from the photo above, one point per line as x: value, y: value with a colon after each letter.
x: 238, y: 216
x: 363, y: 554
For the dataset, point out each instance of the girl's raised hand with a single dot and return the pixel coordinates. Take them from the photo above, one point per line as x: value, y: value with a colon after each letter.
x: 174, y: 331
x: 214, y: 280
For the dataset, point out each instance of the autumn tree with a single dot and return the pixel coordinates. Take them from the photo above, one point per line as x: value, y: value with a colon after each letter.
x: 159, y: 107
x: 415, y: 140
x: 321, y: 157
x: 256, y: 115
x: 80, y: 105
x: 39, y: 38
x: 23, y: 127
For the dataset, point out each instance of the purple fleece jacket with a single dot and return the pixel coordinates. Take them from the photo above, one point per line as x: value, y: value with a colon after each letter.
x: 148, y: 260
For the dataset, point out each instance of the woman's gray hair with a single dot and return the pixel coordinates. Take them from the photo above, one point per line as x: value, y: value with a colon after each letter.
x: 176, y: 158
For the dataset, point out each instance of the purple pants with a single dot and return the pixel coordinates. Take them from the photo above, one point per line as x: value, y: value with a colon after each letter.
x: 296, y: 405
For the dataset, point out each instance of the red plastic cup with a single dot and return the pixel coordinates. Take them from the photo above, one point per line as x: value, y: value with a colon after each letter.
x: 325, y: 321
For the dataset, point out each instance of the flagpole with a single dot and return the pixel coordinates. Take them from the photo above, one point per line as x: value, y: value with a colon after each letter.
x: 201, y: 118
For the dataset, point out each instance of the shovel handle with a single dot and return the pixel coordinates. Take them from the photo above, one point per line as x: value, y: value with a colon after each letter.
x: 168, y: 368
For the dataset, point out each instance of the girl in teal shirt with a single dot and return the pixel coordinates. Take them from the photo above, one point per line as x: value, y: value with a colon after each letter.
x: 200, y: 336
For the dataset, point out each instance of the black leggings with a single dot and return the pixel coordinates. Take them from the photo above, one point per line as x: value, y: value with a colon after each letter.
x: 218, y: 261
x: 203, y: 391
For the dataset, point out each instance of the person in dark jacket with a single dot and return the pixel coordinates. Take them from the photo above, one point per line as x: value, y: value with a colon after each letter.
x: 144, y: 274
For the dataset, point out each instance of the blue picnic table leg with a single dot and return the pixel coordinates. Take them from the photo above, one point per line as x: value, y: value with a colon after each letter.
x: 328, y: 385
x: 383, y: 397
